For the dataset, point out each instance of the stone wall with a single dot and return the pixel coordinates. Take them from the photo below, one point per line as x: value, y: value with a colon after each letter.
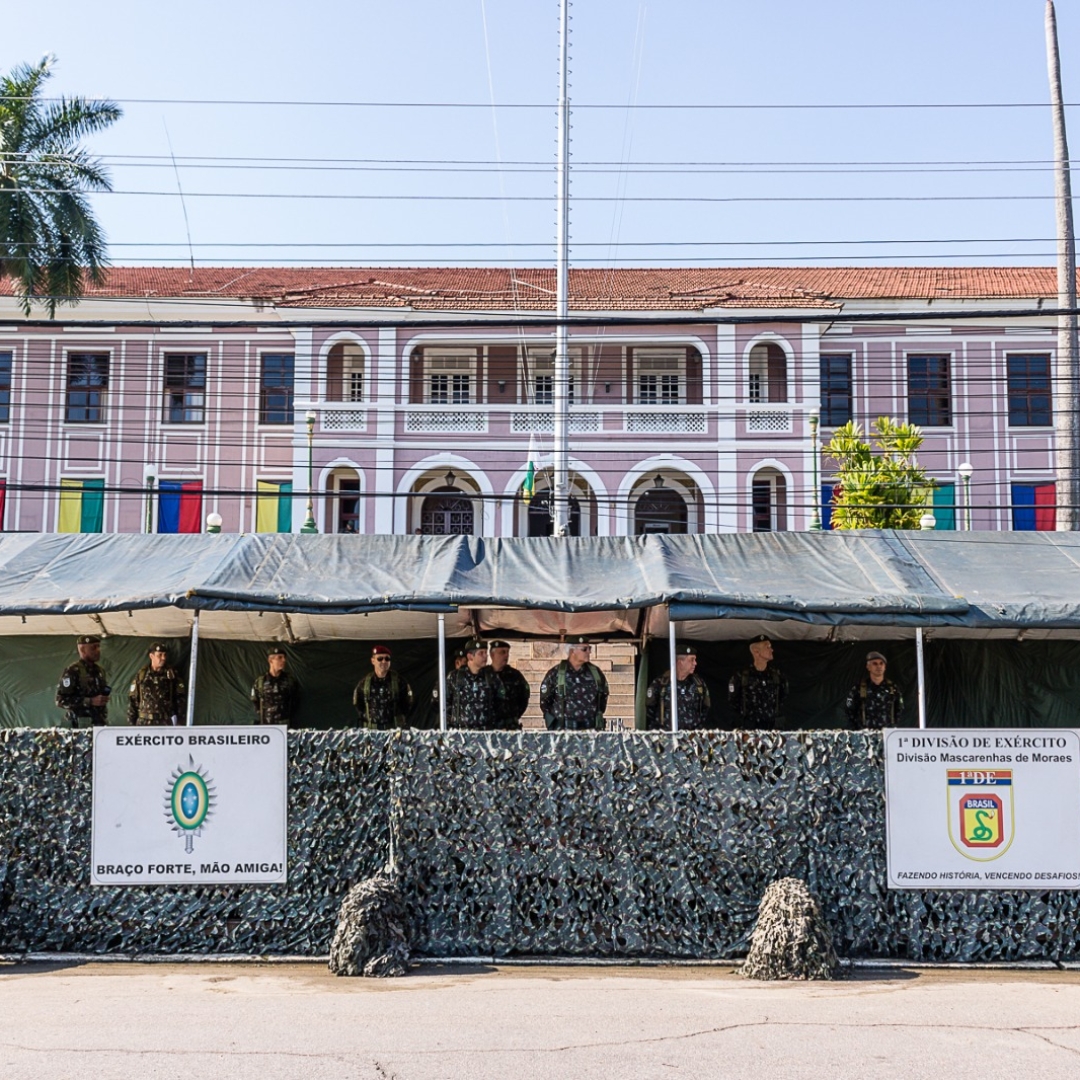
x: 573, y: 844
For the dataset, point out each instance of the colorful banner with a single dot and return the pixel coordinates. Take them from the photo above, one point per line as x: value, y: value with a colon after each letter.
x: 180, y: 506
x: 82, y: 506
x: 975, y: 808
x: 273, y: 507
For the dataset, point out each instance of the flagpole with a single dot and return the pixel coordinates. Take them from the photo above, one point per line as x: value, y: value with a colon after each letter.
x: 561, y: 397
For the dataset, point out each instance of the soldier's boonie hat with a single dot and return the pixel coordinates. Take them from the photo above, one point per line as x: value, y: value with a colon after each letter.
x: 158, y: 646
x: 380, y: 650
x: 88, y: 639
x: 760, y: 638
x: 276, y: 650
x: 686, y: 649
x: 876, y: 656
x: 475, y: 645
x: 498, y: 643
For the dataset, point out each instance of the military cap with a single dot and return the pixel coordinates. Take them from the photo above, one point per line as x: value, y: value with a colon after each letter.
x: 380, y: 650
x: 579, y: 639
x: 498, y: 643
x: 158, y: 646
x: 459, y: 652
x: 88, y: 639
x: 686, y: 649
x: 475, y: 645
x: 876, y: 656
x: 760, y: 638
x: 275, y: 650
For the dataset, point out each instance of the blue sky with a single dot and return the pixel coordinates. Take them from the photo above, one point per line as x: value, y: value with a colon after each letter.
x: 774, y: 52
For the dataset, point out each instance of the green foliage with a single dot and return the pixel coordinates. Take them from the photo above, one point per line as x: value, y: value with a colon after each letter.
x: 49, y: 239
x: 879, y: 486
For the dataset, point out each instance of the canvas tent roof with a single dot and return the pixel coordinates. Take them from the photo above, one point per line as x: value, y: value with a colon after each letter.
x: 287, y: 587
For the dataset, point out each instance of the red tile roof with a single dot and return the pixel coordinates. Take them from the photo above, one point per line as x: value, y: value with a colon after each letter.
x: 505, y: 288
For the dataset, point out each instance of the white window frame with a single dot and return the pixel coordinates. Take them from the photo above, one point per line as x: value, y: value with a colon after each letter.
x: 458, y: 370
x: 542, y: 366
x: 666, y: 371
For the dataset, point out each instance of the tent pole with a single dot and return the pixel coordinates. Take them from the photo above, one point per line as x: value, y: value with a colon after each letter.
x: 190, y: 718
x: 442, y: 672
x: 674, y: 674
x: 921, y: 673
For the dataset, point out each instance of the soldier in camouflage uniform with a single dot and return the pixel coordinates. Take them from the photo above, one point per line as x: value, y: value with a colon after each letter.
x: 275, y: 692
x: 83, y: 691
x: 383, y: 699
x: 514, y: 683
x: 574, y: 693
x: 874, y: 702
x: 158, y: 695
x: 757, y: 693
x: 475, y: 696
x: 693, y: 695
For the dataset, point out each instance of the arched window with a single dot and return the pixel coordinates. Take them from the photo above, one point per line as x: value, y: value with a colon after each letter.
x: 345, y: 372
x: 769, y: 499
x: 447, y: 511
x: 539, y: 516
x: 660, y: 509
x: 768, y: 373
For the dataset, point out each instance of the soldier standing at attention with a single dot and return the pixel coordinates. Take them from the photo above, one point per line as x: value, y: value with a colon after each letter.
x: 158, y: 695
x: 757, y: 692
x: 383, y: 699
x: 694, y: 702
x: 514, y: 683
x: 574, y: 693
x: 874, y: 702
x: 83, y: 691
x: 275, y: 692
x: 475, y: 697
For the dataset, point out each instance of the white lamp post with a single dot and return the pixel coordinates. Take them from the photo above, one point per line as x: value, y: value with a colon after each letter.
x: 213, y: 522
x: 965, y: 470
x: 927, y: 521
x: 309, y: 525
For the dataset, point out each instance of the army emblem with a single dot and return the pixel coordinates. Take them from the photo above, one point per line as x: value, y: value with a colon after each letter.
x: 980, y: 812
x: 189, y: 801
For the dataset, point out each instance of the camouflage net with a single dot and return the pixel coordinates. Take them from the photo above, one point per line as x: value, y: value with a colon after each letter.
x: 370, y: 936
x: 523, y: 843
x: 791, y: 939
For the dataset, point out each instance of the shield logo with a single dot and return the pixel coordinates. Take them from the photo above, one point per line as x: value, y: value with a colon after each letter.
x: 980, y: 812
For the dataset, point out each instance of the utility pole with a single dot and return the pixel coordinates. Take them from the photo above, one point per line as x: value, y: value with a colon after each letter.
x: 561, y: 379
x: 1067, y: 368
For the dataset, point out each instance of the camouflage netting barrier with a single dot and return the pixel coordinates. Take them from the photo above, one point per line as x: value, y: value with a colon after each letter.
x: 791, y: 939
x: 575, y: 844
x: 370, y: 935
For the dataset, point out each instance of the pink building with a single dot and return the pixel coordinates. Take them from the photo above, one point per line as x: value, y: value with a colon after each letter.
x: 167, y: 396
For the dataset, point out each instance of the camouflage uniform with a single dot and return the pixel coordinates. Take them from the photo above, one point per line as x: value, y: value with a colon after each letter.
x: 274, y: 698
x: 694, y: 703
x: 757, y: 696
x: 517, y: 695
x: 79, y: 683
x: 475, y: 702
x: 574, y: 700
x: 874, y: 706
x: 384, y: 703
x: 156, y: 697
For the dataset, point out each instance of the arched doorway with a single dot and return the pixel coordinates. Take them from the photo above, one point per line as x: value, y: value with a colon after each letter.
x: 768, y: 495
x: 660, y: 510
x: 446, y: 511
x: 539, y: 516
x: 344, y: 502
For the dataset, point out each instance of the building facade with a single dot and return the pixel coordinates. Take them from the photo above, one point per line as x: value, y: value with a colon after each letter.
x: 166, y: 396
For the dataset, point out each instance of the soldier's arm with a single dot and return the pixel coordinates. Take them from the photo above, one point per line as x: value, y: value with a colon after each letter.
x: 67, y: 691
x: 899, y: 703
x: 255, y: 698
x: 601, y: 701
x: 549, y: 702
x: 524, y: 695
x: 734, y: 693
x: 405, y: 705
x: 652, y: 706
x: 180, y: 700
x: 851, y: 706
x: 358, y: 699
x: 133, y: 702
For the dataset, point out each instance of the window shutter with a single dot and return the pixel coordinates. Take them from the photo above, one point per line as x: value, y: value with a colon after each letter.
x: 416, y: 377
x: 693, y: 377
x: 335, y: 372
x: 631, y: 386
x: 777, y: 374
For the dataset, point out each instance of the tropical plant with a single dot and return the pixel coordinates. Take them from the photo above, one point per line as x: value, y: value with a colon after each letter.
x: 879, y: 486
x: 50, y: 242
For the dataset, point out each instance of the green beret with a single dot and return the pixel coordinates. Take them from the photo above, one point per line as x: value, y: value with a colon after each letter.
x: 475, y: 645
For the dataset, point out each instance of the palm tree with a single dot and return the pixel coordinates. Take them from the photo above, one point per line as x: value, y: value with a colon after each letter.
x: 49, y: 240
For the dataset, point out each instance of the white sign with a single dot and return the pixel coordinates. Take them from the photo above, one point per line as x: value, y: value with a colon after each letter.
x: 189, y: 806
x: 983, y: 809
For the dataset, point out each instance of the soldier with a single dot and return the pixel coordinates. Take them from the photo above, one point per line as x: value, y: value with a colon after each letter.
x: 158, y: 695
x: 514, y: 683
x: 275, y: 692
x: 475, y: 696
x: 874, y: 702
x: 757, y: 692
x: 574, y: 693
x: 83, y: 691
x: 382, y: 698
x: 459, y: 659
x: 694, y: 702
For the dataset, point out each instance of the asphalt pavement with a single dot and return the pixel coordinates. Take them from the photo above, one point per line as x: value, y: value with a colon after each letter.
x: 265, y: 1022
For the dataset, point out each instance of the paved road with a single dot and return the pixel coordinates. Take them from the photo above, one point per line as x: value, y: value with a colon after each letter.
x: 111, y: 1021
